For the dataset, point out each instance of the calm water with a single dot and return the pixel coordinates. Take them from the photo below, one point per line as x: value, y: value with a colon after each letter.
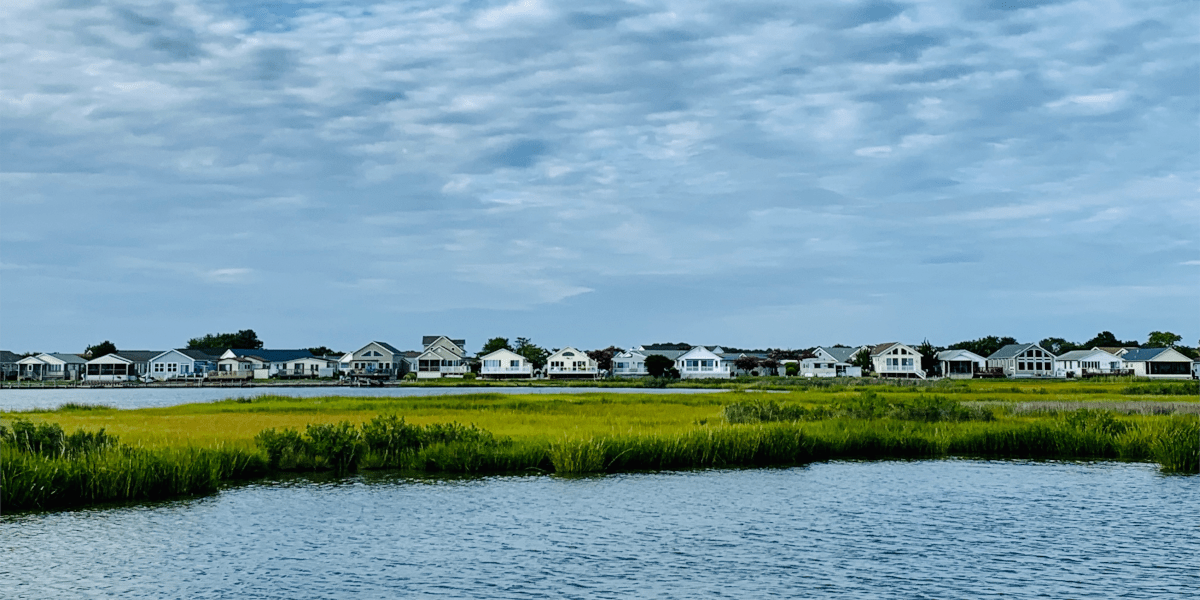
x: 936, y: 529
x: 25, y: 399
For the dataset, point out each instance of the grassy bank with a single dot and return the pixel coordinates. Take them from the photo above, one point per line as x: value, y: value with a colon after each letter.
x: 192, y: 449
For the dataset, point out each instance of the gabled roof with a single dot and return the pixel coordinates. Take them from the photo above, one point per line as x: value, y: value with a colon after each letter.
x: 630, y: 353
x: 138, y: 356
x: 840, y: 353
x: 698, y: 351
x: 881, y: 348
x: 671, y: 354
x: 1143, y: 354
x: 389, y: 347
x: 501, y: 352
x: 272, y: 355
x: 959, y: 355
x: 441, y: 353
x: 201, y: 353
x: 1082, y: 354
x: 655, y: 347
x: 9, y: 357
x: 426, y: 340
x: 1012, y: 350
x: 1113, y: 350
x: 578, y: 353
x: 69, y: 358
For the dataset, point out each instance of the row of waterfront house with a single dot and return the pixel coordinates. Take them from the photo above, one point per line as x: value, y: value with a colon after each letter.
x: 442, y: 356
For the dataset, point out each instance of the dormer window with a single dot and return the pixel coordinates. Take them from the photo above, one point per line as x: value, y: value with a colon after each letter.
x: 568, y: 354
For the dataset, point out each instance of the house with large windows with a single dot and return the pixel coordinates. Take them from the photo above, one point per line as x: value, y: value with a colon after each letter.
x: 376, y: 360
x: 504, y: 364
x: 1022, y: 360
x: 895, y: 359
x: 702, y: 363
x: 442, y: 357
x: 569, y: 363
x: 1158, y: 363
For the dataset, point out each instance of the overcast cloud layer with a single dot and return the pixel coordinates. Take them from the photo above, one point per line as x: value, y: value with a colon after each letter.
x: 749, y: 173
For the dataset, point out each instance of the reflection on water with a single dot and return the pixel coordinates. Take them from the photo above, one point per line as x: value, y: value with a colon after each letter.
x: 26, y: 399
x: 936, y: 529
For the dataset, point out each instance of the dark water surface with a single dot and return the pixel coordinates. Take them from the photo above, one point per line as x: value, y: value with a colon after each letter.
x: 933, y: 529
x: 35, y: 398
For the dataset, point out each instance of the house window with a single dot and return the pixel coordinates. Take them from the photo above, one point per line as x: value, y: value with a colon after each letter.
x: 691, y: 364
x: 185, y: 368
x: 622, y: 365
x: 908, y: 362
x: 172, y: 367
x: 556, y: 364
x: 1021, y: 366
x: 568, y: 354
x: 159, y: 367
x: 491, y: 364
x: 514, y: 363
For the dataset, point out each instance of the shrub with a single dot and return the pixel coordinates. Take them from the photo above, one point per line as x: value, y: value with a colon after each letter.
x: 1095, y: 421
x: 339, y: 444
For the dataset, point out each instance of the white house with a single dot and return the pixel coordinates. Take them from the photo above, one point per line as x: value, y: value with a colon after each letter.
x: 126, y: 365
x: 304, y: 367
x: 702, y: 363
x: 1095, y: 361
x: 51, y: 366
x: 960, y: 364
x: 568, y: 363
x: 442, y: 357
x: 173, y: 364
x: 375, y: 360
x: 832, y: 361
x: 1022, y: 360
x: 1158, y: 363
x: 504, y: 364
x: 630, y: 363
x: 894, y: 359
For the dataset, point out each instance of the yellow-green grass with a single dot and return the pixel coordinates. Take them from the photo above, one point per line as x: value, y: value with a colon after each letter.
x: 535, y: 416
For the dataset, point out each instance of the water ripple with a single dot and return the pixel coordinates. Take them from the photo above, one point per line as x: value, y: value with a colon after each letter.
x: 934, y: 529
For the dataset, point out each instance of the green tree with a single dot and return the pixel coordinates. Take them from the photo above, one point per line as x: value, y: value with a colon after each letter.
x: 536, y: 355
x: 324, y: 351
x: 862, y: 360
x: 1106, y: 339
x: 984, y: 346
x: 245, y: 339
x: 770, y: 366
x: 1162, y: 339
x: 657, y: 365
x: 1057, y: 346
x: 604, y: 358
x: 929, y: 361
x: 746, y: 363
x: 494, y: 344
x: 792, y: 369
x: 102, y: 349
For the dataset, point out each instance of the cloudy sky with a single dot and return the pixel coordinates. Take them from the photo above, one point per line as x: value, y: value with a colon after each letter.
x: 747, y: 173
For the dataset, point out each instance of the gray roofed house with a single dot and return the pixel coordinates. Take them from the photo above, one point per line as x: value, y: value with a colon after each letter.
x: 426, y: 340
x: 207, y: 354
x: 8, y: 364
x: 271, y: 356
x: 841, y: 353
x: 1023, y: 360
x: 1158, y: 363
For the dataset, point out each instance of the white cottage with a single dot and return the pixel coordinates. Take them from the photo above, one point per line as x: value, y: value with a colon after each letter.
x: 702, y: 363
x: 960, y: 364
x: 894, y: 359
x: 51, y: 366
x: 832, y: 361
x: 504, y: 364
x: 1158, y: 363
x: 178, y: 364
x: 571, y: 363
x: 1078, y: 363
x: 126, y: 365
x: 1022, y: 360
x: 630, y: 363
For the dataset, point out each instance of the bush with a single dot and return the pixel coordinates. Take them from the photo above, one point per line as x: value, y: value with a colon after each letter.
x: 410, y: 376
x: 49, y: 439
x: 339, y: 444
